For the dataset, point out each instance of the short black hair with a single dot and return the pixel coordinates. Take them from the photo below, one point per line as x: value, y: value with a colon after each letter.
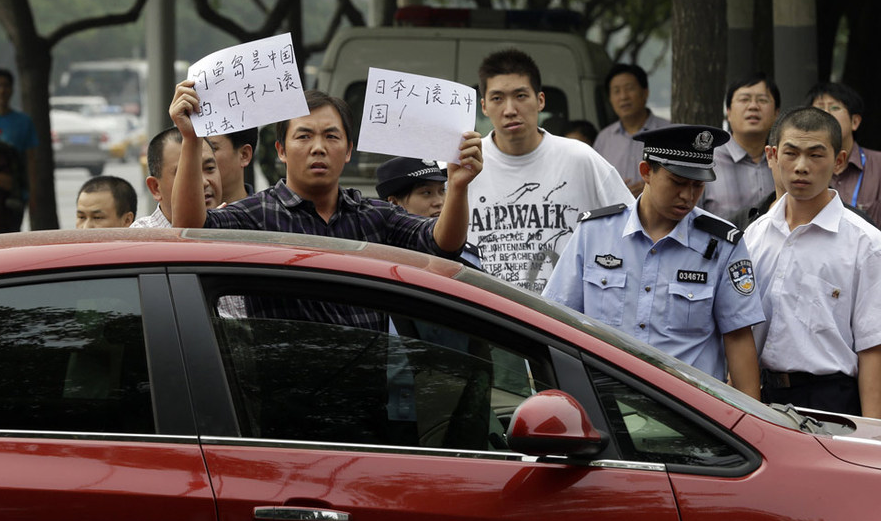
x: 848, y: 97
x: 627, y: 68
x: 811, y: 119
x: 509, y: 61
x: 124, y: 196
x: 6, y: 73
x: 156, y: 149
x: 583, y: 126
x: 774, y: 133
x: 315, y: 99
x: 241, y: 138
x: 749, y: 81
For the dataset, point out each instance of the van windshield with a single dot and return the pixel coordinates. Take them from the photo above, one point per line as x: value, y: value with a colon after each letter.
x: 119, y: 86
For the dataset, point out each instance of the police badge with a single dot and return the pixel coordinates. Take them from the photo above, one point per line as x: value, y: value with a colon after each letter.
x: 703, y: 141
x: 741, y: 275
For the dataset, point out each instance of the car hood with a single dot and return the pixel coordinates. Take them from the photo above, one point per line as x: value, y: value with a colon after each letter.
x: 860, y: 446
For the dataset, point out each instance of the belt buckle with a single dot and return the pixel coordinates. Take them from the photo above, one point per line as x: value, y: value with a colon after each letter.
x: 781, y: 380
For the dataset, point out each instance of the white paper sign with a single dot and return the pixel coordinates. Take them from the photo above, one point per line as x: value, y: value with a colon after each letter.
x: 248, y: 85
x: 415, y: 116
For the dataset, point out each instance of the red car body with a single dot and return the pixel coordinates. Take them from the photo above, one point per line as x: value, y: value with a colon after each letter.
x: 588, y: 452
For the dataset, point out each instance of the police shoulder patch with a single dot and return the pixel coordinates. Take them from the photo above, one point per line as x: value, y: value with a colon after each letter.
x: 718, y: 227
x: 742, y: 277
x: 472, y: 249
x: 602, y: 212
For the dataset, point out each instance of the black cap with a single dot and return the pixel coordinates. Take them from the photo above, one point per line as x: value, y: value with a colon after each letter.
x: 400, y: 173
x: 685, y: 150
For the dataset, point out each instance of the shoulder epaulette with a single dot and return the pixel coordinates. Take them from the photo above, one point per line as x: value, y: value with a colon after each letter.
x: 719, y: 228
x: 602, y: 212
x: 472, y: 249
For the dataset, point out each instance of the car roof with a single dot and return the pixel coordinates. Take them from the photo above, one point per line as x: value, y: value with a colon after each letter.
x: 118, y: 247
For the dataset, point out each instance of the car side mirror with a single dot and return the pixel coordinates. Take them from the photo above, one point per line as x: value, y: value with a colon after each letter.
x: 553, y: 423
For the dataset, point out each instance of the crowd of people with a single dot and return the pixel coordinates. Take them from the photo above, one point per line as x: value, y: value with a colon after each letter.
x: 751, y: 254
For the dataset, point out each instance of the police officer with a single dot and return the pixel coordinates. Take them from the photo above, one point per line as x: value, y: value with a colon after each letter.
x: 664, y: 271
x: 419, y: 186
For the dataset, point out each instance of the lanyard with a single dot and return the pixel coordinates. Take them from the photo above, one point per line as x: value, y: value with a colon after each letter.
x: 856, y: 190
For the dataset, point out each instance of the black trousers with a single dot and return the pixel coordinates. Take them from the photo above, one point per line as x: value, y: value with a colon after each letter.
x: 836, y: 393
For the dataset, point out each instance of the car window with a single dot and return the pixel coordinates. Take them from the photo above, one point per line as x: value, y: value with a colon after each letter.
x: 647, y: 430
x: 412, y: 381
x: 72, y: 358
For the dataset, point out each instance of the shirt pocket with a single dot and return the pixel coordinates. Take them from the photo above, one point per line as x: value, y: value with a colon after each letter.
x: 689, y: 308
x: 604, y: 295
x: 821, y: 305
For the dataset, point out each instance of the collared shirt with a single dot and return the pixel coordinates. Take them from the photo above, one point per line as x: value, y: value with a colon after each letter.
x: 154, y: 220
x: 820, y: 286
x: 740, y: 184
x: 869, y: 196
x: 667, y: 293
x: 620, y: 149
x: 278, y: 208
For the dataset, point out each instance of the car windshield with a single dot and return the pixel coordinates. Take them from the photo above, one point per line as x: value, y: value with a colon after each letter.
x: 631, y: 345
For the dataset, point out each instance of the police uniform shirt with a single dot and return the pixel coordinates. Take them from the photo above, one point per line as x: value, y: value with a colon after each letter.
x: 820, y: 286
x: 667, y: 294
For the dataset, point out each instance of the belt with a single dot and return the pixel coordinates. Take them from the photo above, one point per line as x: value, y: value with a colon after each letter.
x: 786, y: 380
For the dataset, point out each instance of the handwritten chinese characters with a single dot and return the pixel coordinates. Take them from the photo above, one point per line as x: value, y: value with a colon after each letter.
x: 247, y: 85
x: 415, y: 116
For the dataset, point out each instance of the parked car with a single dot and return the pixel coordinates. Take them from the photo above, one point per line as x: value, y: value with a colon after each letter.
x: 220, y: 374
x: 78, y: 142
x: 125, y: 133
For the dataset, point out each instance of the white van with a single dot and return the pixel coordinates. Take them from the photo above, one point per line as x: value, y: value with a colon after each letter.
x: 572, y: 69
x: 122, y: 82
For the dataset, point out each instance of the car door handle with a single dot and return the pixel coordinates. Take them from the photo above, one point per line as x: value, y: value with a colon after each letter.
x: 296, y: 513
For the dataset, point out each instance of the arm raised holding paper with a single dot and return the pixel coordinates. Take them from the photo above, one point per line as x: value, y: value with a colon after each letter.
x: 187, y: 192
x: 314, y: 149
x: 451, y: 229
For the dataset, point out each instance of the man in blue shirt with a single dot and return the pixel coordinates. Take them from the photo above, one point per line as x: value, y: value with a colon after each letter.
x: 17, y: 130
x: 664, y: 271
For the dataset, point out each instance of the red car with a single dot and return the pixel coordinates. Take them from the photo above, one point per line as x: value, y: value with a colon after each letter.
x: 222, y: 375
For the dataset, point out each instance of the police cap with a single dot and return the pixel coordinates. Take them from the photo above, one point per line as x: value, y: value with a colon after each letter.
x: 400, y: 173
x: 685, y: 150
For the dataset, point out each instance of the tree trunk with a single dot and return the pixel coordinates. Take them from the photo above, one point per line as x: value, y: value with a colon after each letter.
x: 33, y: 57
x: 699, y: 61
x: 35, y: 78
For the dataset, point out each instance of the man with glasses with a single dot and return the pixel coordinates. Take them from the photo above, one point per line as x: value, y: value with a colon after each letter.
x: 743, y: 177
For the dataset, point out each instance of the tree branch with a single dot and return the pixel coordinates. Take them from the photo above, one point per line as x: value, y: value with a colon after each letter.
x: 99, y: 21
x: 271, y: 23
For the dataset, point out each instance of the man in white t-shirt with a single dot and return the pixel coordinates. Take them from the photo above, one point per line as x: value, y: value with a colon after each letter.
x: 525, y: 203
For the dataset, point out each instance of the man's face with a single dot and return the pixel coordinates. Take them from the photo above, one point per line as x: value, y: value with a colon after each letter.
x: 627, y: 96
x: 513, y: 106
x: 211, y: 184
x: 670, y: 196
x: 98, y: 210
x: 5, y: 91
x: 315, y: 151
x: 806, y: 161
x: 752, y: 111
x: 231, y: 163
x: 849, y: 123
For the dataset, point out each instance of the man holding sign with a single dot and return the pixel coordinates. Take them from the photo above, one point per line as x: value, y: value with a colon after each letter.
x: 314, y: 148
